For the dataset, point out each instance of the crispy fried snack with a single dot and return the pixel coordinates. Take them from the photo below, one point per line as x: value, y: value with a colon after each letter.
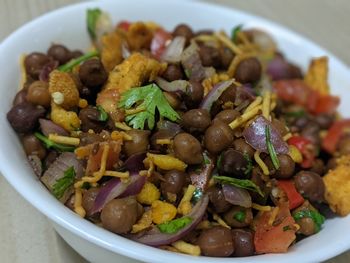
x: 63, y: 89
x: 317, y: 75
x: 69, y: 120
x: 111, y: 49
x: 133, y: 72
x: 337, y: 182
x: 139, y: 36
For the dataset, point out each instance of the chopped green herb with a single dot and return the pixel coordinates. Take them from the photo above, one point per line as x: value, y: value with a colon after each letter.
x: 314, y: 215
x: 219, y: 161
x: 198, y: 193
x: 175, y: 225
x: 239, y: 216
x: 148, y: 99
x: 74, y: 62
x: 235, y: 31
x: 249, y: 168
x: 241, y: 183
x: 188, y: 73
x: 295, y: 114
x: 62, y: 184
x: 206, y: 159
x: 286, y: 228
x: 103, y: 114
x: 86, y: 185
x: 92, y: 16
x: 271, y: 148
x: 50, y: 144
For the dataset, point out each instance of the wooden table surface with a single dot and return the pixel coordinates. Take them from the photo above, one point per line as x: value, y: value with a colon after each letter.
x: 25, y: 234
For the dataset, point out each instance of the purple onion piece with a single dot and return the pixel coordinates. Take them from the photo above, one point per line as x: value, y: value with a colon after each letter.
x: 255, y: 135
x: 174, y: 86
x: 36, y: 164
x: 243, y: 95
x: 170, y: 126
x: 49, y: 127
x: 201, y: 178
x: 278, y: 68
x: 116, y: 188
x: 237, y: 196
x: 192, y: 63
x: 174, y: 50
x: 214, y: 94
x: 154, y: 237
x: 47, y: 69
x: 57, y: 169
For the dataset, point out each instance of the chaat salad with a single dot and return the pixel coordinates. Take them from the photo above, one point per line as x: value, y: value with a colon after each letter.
x: 192, y: 141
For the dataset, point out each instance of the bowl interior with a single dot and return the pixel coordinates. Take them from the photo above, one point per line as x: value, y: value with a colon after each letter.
x: 68, y: 26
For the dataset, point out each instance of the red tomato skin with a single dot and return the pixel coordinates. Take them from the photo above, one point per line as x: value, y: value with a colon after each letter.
x: 295, y: 199
x: 330, y: 141
x: 159, y: 41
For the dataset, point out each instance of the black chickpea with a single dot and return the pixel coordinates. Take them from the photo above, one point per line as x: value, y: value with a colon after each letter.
x: 89, y: 199
x: 38, y: 93
x: 216, y: 242
x: 233, y: 163
x: 217, y: 199
x: 139, y: 142
x: 227, y: 116
x: 218, y: 137
x: 34, y: 63
x: 92, y: 73
x: 194, y: 94
x: 242, y: 146
x: 196, y: 120
x: 59, y: 53
x: 90, y: 119
x: 187, y: 148
x: 173, y: 72
x: 119, y: 215
x: 173, y: 182
x: 32, y: 146
x: 184, y: 31
x: 286, y: 169
x: 244, y: 243
x: 210, y: 56
x: 310, y: 185
x: 248, y: 71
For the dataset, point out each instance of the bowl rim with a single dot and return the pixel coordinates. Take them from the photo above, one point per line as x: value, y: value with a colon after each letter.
x: 117, y: 244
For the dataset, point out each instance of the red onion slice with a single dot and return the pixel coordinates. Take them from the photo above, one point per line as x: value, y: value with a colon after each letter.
x: 255, y: 135
x: 192, y: 63
x: 201, y: 178
x: 116, y: 188
x: 57, y: 169
x: 174, y: 50
x: 49, y: 127
x: 237, y: 196
x: 154, y: 237
x: 214, y: 94
x: 47, y: 69
x: 174, y: 86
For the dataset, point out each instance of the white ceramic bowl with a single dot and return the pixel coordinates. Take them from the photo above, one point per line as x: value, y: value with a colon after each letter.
x: 67, y: 25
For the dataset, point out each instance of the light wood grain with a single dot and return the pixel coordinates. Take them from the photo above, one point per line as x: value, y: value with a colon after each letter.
x: 25, y: 234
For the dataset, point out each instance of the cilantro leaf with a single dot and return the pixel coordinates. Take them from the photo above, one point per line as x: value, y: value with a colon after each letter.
x: 175, y: 225
x: 271, y: 148
x: 249, y: 168
x: 314, y: 215
x: 147, y: 99
x: 50, y: 144
x: 239, y: 216
x: 241, y: 183
x: 103, y: 114
x: 62, y: 184
x: 74, y: 62
x: 92, y: 15
x: 235, y: 31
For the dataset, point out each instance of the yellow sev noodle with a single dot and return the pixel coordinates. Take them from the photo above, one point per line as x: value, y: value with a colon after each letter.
x: 261, y: 164
x: 225, y: 40
x: 264, y: 208
x: 273, y: 215
x: 245, y: 117
x: 255, y: 103
x: 78, y: 198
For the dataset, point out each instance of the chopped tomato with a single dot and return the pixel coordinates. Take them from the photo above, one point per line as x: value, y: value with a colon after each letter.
x: 274, y: 238
x: 297, y: 91
x: 334, y: 134
x: 124, y: 25
x: 94, y: 161
x: 295, y: 199
x: 159, y: 41
x: 306, y: 148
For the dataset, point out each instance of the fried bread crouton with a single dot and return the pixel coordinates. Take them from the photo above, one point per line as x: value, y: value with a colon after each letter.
x: 111, y: 50
x: 63, y: 89
x: 317, y: 75
x: 69, y: 120
x: 337, y: 182
x: 133, y: 72
x: 139, y: 36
